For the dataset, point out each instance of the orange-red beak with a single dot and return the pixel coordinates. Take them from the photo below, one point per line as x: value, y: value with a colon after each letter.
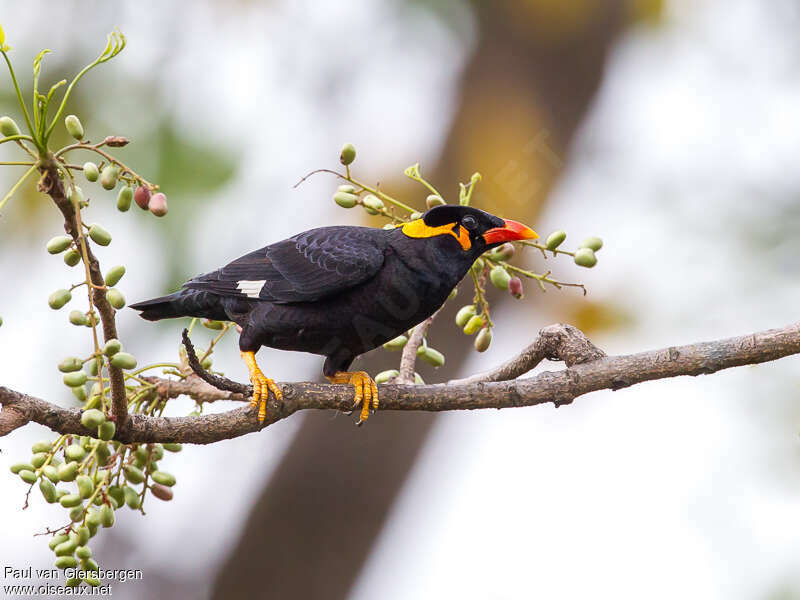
x: 510, y: 232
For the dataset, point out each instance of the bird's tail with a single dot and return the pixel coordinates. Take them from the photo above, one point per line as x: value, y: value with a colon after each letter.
x: 184, y: 303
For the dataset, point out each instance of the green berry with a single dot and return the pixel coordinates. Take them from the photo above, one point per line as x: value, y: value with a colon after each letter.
x: 48, y: 490
x: 347, y: 188
x: 70, y: 364
x: 418, y: 380
x: 59, y: 298
x: 77, y: 317
x: 499, y: 277
x: 473, y: 325
x: 106, y: 516
x: 585, y: 257
x: 117, y: 494
x: 115, y: 298
x: 27, y: 476
x: 134, y: 474
x: 345, y: 199
x: 38, y: 459
x: 555, y: 239
x: 431, y: 356
x: 42, y: 446
x: 83, y: 552
x: 99, y: 235
x: 132, y: 498
x: 483, y: 340
x: 503, y: 252
x: 66, y: 562
x: 17, y: 467
x: 68, y: 471
x: 385, y: 376
x: 396, y: 343
x: 434, y: 200
x: 124, y: 198
x: 92, y: 581
x: 8, y: 127
x: 70, y: 500
x: 114, y: 274
x: 215, y: 325
x: 348, y: 154
x: 85, y: 486
x: 74, y: 126
x: 173, y: 447
x: 123, y: 360
x: 83, y: 536
x: 93, y: 517
x: 593, y: 242
x: 51, y: 473
x: 464, y: 314
x: 75, y: 379
x: 163, y: 478
x: 90, y: 171
x: 58, y: 539
x: 112, y: 347
x: 92, y: 418
x: 75, y: 452
x: 372, y: 204
x: 72, y: 257
x: 109, y: 176
x: 106, y: 430
x: 75, y: 196
x: 415, y: 215
x: 58, y: 244
x: 90, y: 565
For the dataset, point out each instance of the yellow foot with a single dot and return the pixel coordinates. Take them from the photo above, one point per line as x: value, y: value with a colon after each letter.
x: 365, y: 388
x: 262, y: 386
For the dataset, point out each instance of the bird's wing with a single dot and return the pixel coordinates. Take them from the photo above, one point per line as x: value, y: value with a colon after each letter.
x: 307, y: 267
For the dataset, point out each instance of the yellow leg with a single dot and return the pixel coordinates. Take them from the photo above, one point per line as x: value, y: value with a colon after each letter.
x: 366, y: 392
x: 262, y: 385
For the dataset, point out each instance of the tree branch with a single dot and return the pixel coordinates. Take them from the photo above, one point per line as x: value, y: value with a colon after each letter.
x: 588, y: 370
x: 408, y: 360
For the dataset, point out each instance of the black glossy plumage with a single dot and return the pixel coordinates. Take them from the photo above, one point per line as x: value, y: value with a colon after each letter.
x: 333, y: 291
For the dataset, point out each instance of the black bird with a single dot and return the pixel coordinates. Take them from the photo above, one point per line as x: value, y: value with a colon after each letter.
x: 339, y: 291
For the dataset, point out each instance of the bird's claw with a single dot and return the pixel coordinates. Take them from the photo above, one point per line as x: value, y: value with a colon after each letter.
x: 366, y: 391
x: 262, y: 386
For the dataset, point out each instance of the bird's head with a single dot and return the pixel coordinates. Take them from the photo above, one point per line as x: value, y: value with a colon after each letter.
x: 475, y: 230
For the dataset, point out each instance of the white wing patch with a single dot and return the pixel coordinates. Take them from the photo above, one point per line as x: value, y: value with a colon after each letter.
x: 251, y: 288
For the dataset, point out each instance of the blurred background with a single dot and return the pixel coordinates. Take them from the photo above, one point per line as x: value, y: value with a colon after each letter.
x: 669, y: 128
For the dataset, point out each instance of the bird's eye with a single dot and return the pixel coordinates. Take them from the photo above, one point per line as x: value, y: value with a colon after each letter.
x: 469, y: 222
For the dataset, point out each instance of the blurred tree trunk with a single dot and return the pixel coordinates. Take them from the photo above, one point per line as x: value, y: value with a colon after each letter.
x: 527, y: 87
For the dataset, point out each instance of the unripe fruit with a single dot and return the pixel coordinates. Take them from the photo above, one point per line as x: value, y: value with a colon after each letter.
x: 132, y: 498
x: 112, y: 347
x: 123, y: 360
x: 75, y: 196
x: 116, y: 493
x: 93, y: 367
x: 499, y: 277
x: 68, y: 471
x: 83, y: 552
x: 92, y: 418
x: 173, y: 447
x: 161, y: 492
x: 585, y: 257
x: 62, y: 537
x: 593, y: 242
x: 503, y: 252
x: 74, y: 126
x: 372, y: 204
x: 385, y: 376
x: 58, y: 244
x: 114, y: 274
x: 8, y: 127
x: 124, y: 198
x: 76, y: 513
x: 92, y: 581
x: 90, y: 171
x: 115, y: 298
x: 59, y: 298
x: 431, y: 356
x: 90, y: 565
x: 348, y: 154
x: 109, y: 176
x: 102, y: 453
x: 215, y: 325
x: 83, y: 536
x: 483, y: 340
x: 75, y: 379
x: 464, y: 314
x: 42, y: 446
x: 106, y: 431
x: 418, y: 380
x: 37, y: 460
x: 345, y: 199
x: 70, y: 364
x: 473, y: 325
x: 66, y: 562
x: 158, y: 204
x: 134, y: 474
x: 93, y: 518
x: 72, y: 257
x: 17, y: 467
x: 51, y: 473
x: 27, y: 476
x: 72, y: 582
x: 106, y: 516
x: 163, y: 478
x: 555, y: 239
x: 434, y: 200
x: 75, y: 452
x: 70, y: 500
x: 396, y: 343
x: 77, y: 317
x: 515, y: 287
x: 65, y: 548
x: 85, y: 486
x: 415, y: 215
x: 347, y: 188
x: 48, y: 490
x: 99, y: 235
x: 142, y: 196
